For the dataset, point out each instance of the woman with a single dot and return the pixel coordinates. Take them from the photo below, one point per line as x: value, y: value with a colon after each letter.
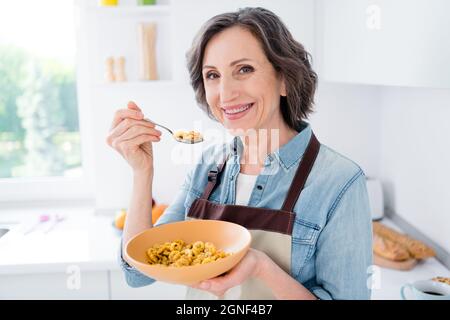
x: 305, y: 204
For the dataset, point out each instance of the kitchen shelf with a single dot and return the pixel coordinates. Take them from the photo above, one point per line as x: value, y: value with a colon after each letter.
x: 116, y: 34
x: 162, y: 9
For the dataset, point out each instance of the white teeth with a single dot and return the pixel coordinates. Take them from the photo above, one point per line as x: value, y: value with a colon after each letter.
x: 240, y: 109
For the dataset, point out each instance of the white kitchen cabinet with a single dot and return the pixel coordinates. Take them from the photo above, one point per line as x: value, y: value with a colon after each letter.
x: 90, y: 285
x: 156, y: 291
x: 385, y: 42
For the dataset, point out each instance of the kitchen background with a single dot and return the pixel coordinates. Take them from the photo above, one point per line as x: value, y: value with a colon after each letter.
x: 383, y: 101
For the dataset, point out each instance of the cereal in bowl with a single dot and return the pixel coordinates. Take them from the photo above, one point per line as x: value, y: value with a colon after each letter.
x: 179, y: 254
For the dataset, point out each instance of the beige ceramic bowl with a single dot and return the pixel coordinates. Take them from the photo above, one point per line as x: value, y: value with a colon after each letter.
x: 227, y: 236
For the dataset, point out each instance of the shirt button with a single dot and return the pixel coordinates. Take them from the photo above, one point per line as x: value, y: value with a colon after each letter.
x: 268, y: 161
x: 259, y: 187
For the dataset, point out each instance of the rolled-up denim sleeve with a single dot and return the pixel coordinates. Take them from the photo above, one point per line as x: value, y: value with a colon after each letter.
x: 344, y: 247
x: 175, y: 212
x: 133, y: 277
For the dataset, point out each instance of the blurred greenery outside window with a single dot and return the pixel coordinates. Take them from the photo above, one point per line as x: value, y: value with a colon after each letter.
x: 39, y: 128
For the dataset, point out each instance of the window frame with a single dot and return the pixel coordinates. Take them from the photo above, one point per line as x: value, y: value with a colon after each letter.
x: 24, y: 190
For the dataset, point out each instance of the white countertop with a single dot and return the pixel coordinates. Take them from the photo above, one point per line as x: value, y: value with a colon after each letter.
x: 90, y: 242
x: 82, y: 238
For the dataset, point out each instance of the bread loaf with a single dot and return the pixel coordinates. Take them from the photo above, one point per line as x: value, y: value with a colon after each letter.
x: 388, y: 249
x: 416, y: 248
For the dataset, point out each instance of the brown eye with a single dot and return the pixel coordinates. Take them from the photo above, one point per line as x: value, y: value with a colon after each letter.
x: 246, y: 69
x: 211, y: 75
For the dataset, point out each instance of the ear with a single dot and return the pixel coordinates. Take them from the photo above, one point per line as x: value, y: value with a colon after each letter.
x: 283, y: 87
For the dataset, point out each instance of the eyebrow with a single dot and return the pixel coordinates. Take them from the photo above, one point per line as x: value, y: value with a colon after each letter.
x: 231, y: 64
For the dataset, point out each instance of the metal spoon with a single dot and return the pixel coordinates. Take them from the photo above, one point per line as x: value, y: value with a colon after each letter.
x: 176, y: 137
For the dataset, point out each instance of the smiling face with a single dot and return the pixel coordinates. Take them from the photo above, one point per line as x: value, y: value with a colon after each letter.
x: 241, y: 85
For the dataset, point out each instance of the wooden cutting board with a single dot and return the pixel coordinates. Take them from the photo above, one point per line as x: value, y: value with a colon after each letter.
x: 398, y: 265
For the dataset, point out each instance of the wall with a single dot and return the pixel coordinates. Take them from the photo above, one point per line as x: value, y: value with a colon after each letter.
x: 415, y: 157
x: 347, y: 119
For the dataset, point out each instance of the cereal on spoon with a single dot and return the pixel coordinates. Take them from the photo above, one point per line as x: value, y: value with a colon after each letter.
x: 192, y: 136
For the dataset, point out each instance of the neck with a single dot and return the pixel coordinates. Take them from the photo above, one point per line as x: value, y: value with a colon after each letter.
x: 259, y: 143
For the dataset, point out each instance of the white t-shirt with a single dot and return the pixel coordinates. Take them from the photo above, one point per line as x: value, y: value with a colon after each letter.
x: 244, y: 187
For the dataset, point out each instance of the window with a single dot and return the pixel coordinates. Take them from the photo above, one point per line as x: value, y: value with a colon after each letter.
x: 39, y: 121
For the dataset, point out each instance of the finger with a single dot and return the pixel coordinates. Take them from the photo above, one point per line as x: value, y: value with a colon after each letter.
x: 125, y: 125
x: 137, y: 130
x: 203, y: 285
x: 132, y: 105
x: 122, y: 114
x: 219, y: 292
x: 206, y: 286
x: 195, y: 286
x: 126, y: 145
x: 223, y: 283
x: 215, y: 286
x: 229, y: 280
x: 129, y: 124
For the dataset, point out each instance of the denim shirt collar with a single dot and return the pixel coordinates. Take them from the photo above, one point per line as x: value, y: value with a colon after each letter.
x: 288, y: 154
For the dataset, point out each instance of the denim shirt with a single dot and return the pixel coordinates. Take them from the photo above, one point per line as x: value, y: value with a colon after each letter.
x: 332, y: 234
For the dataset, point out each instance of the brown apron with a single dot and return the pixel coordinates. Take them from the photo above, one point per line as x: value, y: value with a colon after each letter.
x: 271, y: 229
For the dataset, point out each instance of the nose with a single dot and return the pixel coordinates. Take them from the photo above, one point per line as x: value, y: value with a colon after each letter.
x: 229, y: 90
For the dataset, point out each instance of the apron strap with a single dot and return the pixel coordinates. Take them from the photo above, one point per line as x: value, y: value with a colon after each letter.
x: 213, y: 178
x: 302, y: 174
